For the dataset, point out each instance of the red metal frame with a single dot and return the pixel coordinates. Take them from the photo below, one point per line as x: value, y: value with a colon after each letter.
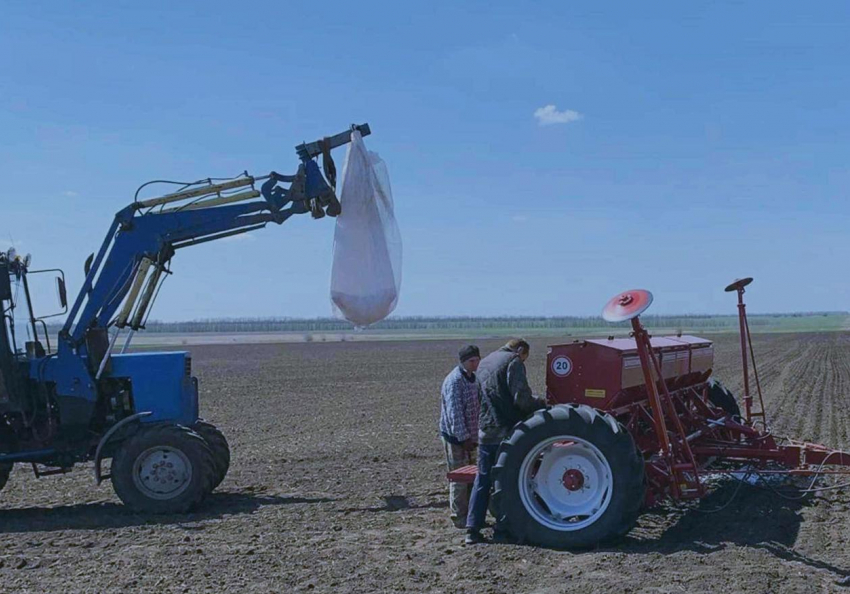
x: 742, y: 317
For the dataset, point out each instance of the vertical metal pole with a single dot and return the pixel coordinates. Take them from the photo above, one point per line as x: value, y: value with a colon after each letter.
x: 676, y: 421
x: 128, y: 341
x: 651, y: 387
x: 108, y: 354
x: 742, y: 322
x: 763, y: 412
x: 29, y: 307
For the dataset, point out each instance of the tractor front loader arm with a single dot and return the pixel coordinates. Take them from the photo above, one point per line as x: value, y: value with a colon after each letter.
x: 124, y: 278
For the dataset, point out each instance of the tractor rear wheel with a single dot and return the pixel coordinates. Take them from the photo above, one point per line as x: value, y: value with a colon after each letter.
x: 219, y: 446
x: 163, y: 469
x: 568, y: 477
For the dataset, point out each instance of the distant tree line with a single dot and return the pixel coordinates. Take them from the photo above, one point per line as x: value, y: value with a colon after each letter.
x: 420, y: 323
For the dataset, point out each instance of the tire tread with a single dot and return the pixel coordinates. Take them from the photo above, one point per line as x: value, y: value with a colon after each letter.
x: 122, y: 466
x: 608, y: 435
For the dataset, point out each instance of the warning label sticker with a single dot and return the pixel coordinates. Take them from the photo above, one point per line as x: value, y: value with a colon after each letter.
x: 594, y: 393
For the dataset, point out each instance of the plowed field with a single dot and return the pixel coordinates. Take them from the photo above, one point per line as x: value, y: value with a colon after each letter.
x: 337, y: 486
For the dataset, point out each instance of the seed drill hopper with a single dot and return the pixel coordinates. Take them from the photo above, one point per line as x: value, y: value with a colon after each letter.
x: 632, y: 422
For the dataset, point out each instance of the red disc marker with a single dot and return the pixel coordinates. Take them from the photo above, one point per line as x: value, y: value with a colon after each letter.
x: 627, y: 305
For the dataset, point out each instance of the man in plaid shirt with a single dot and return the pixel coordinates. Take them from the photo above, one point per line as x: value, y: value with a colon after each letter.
x: 459, y: 425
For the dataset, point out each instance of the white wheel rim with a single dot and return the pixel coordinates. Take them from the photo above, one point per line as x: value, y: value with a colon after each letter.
x: 162, y: 472
x: 565, y: 483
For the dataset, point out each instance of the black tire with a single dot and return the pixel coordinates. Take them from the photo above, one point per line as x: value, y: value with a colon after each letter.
x: 158, y: 446
x: 611, y: 441
x: 219, y: 446
x: 722, y: 397
x: 5, y: 471
x: 493, y: 507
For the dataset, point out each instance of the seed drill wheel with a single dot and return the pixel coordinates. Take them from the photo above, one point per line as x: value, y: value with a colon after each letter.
x: 163, y: 469
x: 569, y: 477
x: 721, y: 397
x: 219, y: 446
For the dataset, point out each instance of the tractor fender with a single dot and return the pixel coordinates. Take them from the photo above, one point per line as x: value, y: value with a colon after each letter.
x: 98, y: 475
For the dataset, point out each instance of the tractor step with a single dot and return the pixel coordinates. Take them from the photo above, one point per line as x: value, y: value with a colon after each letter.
x: 464, y: 474
x: 47, y: 471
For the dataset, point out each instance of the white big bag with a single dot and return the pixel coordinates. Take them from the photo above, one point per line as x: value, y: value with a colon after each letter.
x: 366, y: 272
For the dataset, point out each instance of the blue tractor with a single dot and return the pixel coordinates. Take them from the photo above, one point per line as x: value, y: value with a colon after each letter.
x: 84, y: 399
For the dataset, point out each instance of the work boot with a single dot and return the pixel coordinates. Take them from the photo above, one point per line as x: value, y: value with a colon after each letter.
x: 501, y: 534
x: 473, y: 536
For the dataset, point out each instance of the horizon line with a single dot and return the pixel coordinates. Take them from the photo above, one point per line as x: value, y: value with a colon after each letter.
x: 497, y: 317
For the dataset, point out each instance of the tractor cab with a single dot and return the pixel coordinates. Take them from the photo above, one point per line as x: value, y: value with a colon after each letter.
x: 24, y: 336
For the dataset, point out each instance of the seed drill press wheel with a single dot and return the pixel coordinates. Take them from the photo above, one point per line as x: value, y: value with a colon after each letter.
x: 569, y: 477
x: 219, y: 446
x: 163, y: 469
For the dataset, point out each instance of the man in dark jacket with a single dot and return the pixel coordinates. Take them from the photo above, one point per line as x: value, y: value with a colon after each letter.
x: 506, y: 399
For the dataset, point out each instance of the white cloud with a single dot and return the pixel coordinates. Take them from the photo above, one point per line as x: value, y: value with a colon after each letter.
x: 549, y: 115
x: 70, y: 193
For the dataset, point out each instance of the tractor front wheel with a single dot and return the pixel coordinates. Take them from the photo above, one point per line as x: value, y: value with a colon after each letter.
x: 163, y: 469
x: 219, y: 446
x: 568, y: 477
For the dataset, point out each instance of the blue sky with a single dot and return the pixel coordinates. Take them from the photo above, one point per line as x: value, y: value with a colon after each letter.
x: 698, y: 143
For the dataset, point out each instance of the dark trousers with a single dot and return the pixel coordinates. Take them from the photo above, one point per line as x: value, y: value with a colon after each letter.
x: 480, y: 499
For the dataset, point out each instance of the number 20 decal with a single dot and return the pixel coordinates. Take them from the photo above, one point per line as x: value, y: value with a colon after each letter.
x: 562, y: 366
